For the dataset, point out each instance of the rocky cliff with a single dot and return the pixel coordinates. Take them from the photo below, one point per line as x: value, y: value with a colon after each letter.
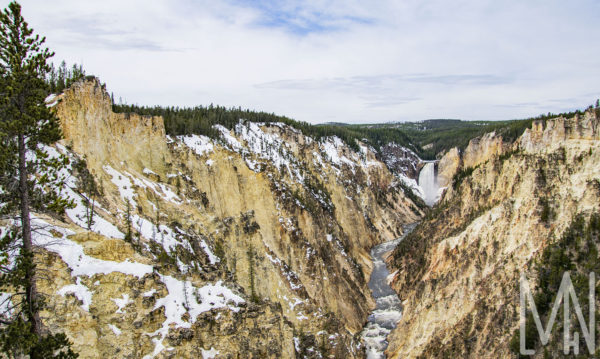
x: 458, y: 272
x: 479, y: 150
x: 401, y: 160
x: 448, y: 165
x: 251, y: 245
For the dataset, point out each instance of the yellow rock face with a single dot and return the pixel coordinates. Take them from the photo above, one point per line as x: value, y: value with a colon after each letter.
x: 479, y: 150
x: 448, y: 166
x: 483, y: 148
x: 295, y: 236
x: 92, y: 129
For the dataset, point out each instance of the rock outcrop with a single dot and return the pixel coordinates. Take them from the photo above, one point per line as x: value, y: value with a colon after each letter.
x: 481, y: 149
x: 400, y: 160
x: 448, y: 166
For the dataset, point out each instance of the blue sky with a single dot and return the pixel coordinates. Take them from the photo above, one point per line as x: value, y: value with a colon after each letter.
x: 346, y: 61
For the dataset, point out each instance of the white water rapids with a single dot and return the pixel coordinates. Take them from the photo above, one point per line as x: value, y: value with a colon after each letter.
x: 388, y: 309
x: 428, y: 182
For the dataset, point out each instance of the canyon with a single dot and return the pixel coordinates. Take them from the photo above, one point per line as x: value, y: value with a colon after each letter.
x: 266, y: 242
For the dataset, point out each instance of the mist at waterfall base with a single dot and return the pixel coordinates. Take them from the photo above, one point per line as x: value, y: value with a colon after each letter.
x: 428, y: 182
x: 388, y: 309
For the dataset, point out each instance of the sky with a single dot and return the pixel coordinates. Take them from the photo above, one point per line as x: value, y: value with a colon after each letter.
x: 335, y: 61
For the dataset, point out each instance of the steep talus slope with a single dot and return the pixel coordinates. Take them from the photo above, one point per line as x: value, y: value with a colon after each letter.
x: 253, y: 245
x: 458, y: 272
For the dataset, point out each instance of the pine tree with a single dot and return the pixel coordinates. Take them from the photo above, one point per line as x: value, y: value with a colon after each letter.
x: 30, y: 180
x: 251, y: 257
x: 62, y: 76
x: 128, y: 235
x: 89, y: 189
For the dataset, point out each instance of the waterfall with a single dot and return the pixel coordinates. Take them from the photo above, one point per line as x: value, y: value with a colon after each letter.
x: 428, y: 182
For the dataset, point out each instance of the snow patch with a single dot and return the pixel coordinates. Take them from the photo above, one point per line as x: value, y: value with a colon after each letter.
x: 184, y: 298
x: 162, y: 234
x: 148, y: 171
x: 297, y: 344
x: 197, y: 143
x: 80, y: 291
x: 123, y: 184
x: 78, y: 215
x: 290, y: 275
x: 209, y: 354
x: 211, y: 257
x: 51, y: 100
x: 231, y: 142
x: 165, y: 192
x: 80, y: 263
x: 149, y: 293
x: 5, y: 303
x: 115, y: 330
x: 122, y: 302
x: 332, y: 146
x: 265, y: 145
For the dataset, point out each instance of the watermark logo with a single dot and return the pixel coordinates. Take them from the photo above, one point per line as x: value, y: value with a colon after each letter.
x: 566, y: 294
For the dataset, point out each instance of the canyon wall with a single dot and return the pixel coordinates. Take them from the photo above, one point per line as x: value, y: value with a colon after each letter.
x: 458, y: 272
x: 251, y: 245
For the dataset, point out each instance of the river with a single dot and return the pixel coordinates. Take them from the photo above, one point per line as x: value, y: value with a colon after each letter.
x: 388, y: 310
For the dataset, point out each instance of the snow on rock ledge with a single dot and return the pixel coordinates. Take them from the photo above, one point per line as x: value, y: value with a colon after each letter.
x: 184, y: 299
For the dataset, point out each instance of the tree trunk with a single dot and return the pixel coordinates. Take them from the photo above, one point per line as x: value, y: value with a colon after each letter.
x: 30, y: 287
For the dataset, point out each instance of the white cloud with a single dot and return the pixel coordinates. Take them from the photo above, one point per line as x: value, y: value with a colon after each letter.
x: 349, y: 61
